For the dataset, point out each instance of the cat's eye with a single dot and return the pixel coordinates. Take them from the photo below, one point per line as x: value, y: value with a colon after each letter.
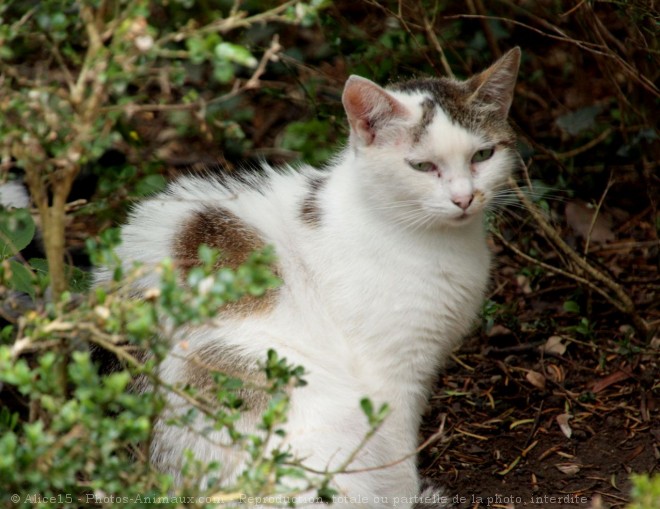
x: 483, y: 155
x: 422, y: 166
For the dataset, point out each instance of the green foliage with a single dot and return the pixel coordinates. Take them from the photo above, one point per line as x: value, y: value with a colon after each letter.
x: 87, y: 433
x: 645, y: 491
x: 489, y: 313
x: 76, y: 435
x: 571, y: 306
x: 16, y: 231
x: 99, y: 64
x: 309, y: 139
x: 374, y: 417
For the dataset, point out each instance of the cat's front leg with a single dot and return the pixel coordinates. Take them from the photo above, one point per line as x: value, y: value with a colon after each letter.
x: 328, y: 431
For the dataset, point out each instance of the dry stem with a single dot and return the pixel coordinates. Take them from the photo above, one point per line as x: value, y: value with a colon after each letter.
x: 620, y: 299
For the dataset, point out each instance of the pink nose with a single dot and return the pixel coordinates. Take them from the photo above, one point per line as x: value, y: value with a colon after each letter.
x: 462, y: 201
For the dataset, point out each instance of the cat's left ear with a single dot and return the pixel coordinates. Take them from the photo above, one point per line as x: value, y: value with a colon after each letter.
x: 369, y: 108
x: 496, y: 84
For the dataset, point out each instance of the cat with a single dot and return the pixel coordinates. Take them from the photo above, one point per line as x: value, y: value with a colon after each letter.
x: 384, y: 263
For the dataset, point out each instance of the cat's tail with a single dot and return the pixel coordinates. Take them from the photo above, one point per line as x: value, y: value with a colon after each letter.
x: 432, y: 496
x: 14, y: 194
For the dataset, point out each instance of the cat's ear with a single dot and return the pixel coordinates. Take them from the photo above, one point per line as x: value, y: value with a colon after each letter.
x: 369, y: 108
x: 495, y: 85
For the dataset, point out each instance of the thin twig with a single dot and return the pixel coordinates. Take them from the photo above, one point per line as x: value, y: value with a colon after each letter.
x: 589, y: 46
x: 572, y: 9
x: 432, y: 439
x: 592, y: 143
x: 597, y: 49
x: 595, y: 215
x: 428, y: 28
x: 268, y: 56
x: 622, y: 301
x: 96, y: 336
x: 236, y: 19
x: 556, y: 270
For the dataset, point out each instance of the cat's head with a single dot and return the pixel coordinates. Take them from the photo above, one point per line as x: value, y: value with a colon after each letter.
x: 435, y: 150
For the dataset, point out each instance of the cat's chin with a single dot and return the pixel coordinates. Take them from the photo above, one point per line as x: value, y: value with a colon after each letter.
x: 461, y: 219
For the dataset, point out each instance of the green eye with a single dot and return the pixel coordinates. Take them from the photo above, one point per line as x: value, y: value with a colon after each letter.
x: 483, y: 155
x: 422, y: 166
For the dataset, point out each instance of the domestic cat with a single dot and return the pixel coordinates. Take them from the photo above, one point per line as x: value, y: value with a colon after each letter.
x: 384, y: 264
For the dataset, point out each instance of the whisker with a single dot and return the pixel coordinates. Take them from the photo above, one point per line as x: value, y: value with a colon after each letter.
x: 396, y: 205
x: 412, y: 219
x: 534, y: 194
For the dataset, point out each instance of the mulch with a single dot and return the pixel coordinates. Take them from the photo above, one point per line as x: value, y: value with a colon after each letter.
x: 548, y: 406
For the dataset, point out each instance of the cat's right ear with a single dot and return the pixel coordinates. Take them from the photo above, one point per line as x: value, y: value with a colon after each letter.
x: 369, y: 108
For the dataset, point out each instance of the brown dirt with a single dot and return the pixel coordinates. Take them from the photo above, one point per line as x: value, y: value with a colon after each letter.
x: 502, y: 444
x: 502, y: 438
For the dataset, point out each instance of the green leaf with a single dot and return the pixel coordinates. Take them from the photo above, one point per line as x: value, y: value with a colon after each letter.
x: 367, y: 407
x: 196, y: 50
x: 39, y: 264
x: 78, y: 280
x: 16, y: 231
x: 235, y: 53
x: 571, y: 306
x: 326, y: 493
x: 223, y: 71
x: 21, y: 278
x: 150, y: 184
x: 309, y: 138
x: 8, y: 419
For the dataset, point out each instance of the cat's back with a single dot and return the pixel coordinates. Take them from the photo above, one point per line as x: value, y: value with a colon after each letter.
x: 235, y: 214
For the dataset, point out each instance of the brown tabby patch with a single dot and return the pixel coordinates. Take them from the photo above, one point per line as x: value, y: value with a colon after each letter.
x: 220, y: 229
x: 428, y: 112
x: 224, y: 359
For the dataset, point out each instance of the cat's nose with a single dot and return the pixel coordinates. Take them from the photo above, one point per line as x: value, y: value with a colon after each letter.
x: 462, y: 201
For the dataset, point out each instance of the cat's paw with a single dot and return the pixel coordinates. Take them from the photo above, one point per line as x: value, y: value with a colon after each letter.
x: 432, y: 496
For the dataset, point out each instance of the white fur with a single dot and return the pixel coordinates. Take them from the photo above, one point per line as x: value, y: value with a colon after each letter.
x: 374, y: 300
x: 13, y: 194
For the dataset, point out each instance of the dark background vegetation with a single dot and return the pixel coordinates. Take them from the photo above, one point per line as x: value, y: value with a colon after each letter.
x: 570, y: 327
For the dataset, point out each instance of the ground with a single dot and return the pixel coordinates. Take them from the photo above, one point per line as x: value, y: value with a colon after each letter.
x: 502, y: 401
x: 502, y: 436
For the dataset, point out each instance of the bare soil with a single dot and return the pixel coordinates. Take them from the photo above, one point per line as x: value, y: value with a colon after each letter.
x: 502, y: 401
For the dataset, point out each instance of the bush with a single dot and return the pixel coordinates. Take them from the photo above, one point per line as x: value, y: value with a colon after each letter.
x: 71, y: 433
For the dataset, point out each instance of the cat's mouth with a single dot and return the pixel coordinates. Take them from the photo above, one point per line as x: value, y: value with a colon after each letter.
x: 442, y: 215
x: 464, y: 217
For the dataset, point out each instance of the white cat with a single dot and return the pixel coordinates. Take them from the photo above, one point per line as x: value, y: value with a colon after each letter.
x: 384, y: 261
